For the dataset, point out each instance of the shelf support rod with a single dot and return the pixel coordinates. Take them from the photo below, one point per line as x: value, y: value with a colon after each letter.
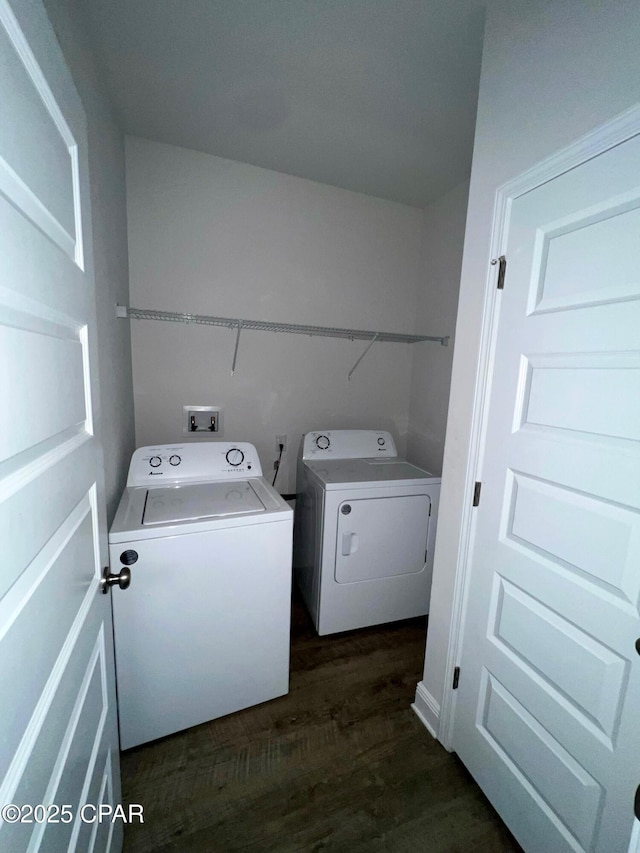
x: 369, y: 345
x: 235, y: 351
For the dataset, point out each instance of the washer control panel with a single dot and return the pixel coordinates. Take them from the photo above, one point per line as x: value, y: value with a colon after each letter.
x: 348, y: 444
x: 180, y: 463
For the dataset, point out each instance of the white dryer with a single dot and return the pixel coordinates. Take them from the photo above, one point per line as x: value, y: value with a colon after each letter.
x: 203, y: 628
x: 364, y: 530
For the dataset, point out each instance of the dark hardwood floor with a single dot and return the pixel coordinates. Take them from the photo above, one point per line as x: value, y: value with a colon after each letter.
x: 340, y: 764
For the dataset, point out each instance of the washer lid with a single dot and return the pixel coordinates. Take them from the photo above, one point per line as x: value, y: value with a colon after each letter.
x: 201, y: 500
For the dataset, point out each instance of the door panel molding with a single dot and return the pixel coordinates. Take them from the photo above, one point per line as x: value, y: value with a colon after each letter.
x: 569, y: 789
x: 12, y: 183
x: 14, y: 604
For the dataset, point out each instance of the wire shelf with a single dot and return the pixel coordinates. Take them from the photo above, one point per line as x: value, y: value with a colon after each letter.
x: 271, y: 326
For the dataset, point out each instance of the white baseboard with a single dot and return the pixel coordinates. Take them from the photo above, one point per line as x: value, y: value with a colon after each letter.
x: 427, y: 709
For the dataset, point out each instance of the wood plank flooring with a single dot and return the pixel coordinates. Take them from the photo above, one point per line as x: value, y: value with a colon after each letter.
x: 340, y: 765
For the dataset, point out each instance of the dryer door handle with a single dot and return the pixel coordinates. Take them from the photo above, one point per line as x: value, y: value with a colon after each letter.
x: 349, y: 543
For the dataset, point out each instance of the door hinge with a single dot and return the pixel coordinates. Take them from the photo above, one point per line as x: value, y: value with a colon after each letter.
x: 476, y: 493
x: 502, y: 269
x: 456, y: 678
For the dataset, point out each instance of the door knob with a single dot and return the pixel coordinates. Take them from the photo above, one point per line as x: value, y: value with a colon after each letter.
x: 123, y: 578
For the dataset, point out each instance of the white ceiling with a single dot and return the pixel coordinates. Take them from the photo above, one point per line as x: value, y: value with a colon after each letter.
x: 377, y: 96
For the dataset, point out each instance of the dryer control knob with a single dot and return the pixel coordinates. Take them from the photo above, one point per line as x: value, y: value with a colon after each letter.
x: 175, y: 459
x: 155, y: 461
x: 322, y: 442
x: 381, y: 441
x: 235, y: 457
x: 129, y: 557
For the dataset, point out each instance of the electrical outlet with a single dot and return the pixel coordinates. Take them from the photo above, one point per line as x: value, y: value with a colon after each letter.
x: 281, y: 440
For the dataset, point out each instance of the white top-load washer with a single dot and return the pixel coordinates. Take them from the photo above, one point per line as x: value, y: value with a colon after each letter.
x: 364, y: 530
x: 203, y: 628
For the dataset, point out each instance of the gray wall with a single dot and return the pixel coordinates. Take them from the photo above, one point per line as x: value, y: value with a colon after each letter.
x: 211, y: 236
x: 552, y: 71
x: 436, y: 315
x: 109, y: 232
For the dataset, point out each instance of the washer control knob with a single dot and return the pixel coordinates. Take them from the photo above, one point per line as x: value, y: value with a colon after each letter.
x: 381, y: 441
x: 175, y: 459
x: 155, y: 461
x: 322, y: 442
x: 235, y: 457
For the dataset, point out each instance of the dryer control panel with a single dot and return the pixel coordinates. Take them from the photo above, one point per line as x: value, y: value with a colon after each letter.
x: 184, y: 463
x: 348, y: 444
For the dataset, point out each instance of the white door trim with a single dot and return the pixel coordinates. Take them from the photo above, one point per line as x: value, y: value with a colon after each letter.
x: 614, y: 132
x: 634, y: 843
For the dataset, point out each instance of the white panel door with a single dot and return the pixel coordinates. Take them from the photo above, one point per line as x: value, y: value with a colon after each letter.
x: 547, y: 713
x: 58, y: 735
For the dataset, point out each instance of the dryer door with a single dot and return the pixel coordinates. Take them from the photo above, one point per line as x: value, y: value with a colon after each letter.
x: 381, y: 537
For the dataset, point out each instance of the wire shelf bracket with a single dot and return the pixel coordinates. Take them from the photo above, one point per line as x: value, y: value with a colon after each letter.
x: 366, y: 350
